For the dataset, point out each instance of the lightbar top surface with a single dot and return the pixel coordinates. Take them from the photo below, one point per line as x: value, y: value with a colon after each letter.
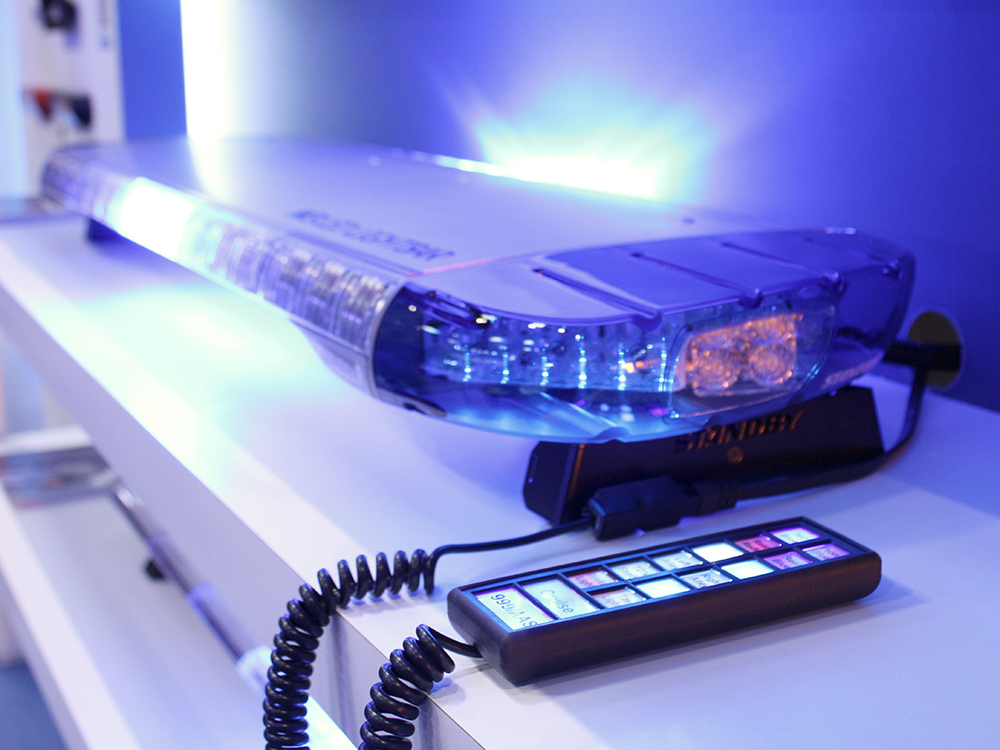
x: 393, y: 206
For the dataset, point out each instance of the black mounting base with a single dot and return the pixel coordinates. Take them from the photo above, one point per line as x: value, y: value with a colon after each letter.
x: 820, y: 433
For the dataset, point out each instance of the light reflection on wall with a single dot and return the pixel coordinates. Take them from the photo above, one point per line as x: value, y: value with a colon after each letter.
x: 208, y: 68
x: 591, y: 132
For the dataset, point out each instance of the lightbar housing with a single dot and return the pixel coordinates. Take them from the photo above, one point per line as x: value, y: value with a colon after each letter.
x: 508, y: 306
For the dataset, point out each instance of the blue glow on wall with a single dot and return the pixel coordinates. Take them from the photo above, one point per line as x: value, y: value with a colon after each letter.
x: 590, y: 131
x: 152, y: 67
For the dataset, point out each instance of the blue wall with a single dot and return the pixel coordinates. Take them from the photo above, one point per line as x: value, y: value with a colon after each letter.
x: 152, y: 67
x: 878, y: 114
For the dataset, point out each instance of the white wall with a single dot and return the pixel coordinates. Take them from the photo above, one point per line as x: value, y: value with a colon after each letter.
x: 13, y: 162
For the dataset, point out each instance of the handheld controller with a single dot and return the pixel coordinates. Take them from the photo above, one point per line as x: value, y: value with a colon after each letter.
x: 542, y: 622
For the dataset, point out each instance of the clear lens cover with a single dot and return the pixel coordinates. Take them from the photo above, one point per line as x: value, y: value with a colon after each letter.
x: 611, y: 380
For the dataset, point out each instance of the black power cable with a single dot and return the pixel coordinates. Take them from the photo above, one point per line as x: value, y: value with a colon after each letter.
x: 921, y: 358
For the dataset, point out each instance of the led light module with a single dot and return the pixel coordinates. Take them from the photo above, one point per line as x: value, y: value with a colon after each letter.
x: 505, y: 305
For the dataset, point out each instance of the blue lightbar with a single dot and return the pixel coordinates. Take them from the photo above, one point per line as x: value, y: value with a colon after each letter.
x: 463, y: 295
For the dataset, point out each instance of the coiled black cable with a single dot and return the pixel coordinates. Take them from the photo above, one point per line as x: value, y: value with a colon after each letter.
x: 421, y: 662
x: 405, y: 683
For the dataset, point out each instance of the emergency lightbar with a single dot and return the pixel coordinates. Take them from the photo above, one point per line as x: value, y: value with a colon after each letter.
x: 504, y: 305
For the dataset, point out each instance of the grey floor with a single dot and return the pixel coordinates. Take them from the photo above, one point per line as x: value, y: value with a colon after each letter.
x: 25, y: 723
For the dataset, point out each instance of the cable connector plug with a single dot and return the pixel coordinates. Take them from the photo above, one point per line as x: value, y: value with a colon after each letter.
x: 655, y: 503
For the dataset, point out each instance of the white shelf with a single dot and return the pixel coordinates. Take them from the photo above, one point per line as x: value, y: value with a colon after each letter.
x: 122, y: 660
x: 264, y: 467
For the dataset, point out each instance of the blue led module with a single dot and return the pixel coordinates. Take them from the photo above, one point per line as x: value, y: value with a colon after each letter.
x: 505, y: 305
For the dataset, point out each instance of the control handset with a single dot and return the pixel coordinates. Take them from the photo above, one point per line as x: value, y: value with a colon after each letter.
x: 543, y: 622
